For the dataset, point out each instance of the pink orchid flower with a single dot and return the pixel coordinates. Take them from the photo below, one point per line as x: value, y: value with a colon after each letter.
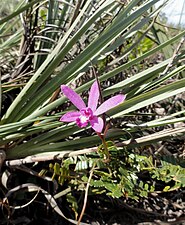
x: 90, y: 113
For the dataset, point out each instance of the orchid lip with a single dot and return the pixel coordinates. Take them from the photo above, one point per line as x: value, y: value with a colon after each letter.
x: 85, y: 117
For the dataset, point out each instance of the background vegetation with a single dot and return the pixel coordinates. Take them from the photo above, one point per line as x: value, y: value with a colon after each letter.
x: 123, y: 44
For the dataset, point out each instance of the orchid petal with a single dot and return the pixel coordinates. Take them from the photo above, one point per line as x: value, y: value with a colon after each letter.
x: 109, y: 104
x: 73, y: 97
x: 94, y: 96
x: 97, y: 124
x: 70, y: 116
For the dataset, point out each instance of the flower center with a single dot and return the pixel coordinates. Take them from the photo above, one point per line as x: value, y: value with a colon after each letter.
x: 85, y: 117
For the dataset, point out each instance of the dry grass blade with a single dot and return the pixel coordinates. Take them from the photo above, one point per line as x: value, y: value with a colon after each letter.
x: 29, y: 187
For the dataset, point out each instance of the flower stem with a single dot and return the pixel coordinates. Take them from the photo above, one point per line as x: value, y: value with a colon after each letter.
x: 105, y: 148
